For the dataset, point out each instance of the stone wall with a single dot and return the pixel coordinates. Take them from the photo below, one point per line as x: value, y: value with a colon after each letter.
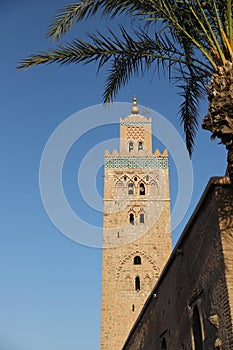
x: 191, y: 305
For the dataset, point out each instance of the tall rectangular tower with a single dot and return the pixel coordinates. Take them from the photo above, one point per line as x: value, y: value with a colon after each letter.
x: 136, y: 228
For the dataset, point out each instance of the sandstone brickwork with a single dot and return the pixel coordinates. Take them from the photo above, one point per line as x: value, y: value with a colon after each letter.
x: 136, y: 228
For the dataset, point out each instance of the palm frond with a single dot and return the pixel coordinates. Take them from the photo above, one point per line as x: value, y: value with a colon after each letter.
x: 229, y: 22
x: 67, y: 16
x: 101, y: 46
x: 192, y: 92
x: 187, y: 39
x: 128, y: 56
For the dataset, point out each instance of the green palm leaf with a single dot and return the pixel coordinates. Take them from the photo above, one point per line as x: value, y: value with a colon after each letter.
x: 187, y: 39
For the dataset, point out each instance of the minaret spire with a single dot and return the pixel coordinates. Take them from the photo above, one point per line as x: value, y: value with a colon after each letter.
x: 135, y: 109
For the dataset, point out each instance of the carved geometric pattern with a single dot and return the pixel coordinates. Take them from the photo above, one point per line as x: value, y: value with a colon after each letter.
x: 119, y: 184
x: 154, y: 188
x: 119, y: 188
x: 126, y: 178
x: 130, y: 162
x: 131, y: 255
x: 135, y: 133
x: 122, y: 184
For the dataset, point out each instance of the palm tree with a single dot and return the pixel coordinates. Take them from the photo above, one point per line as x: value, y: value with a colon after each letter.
x: 191, y: 40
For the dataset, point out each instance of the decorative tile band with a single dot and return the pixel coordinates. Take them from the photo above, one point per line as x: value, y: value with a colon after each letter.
x: 135, y: 123
x: 130, y: 162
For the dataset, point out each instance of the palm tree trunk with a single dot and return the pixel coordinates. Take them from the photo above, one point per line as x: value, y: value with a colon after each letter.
x: 219, y: 119
x: 230, y: 163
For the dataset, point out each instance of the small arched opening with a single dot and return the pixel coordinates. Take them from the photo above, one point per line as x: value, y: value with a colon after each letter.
x: 142, y: 189
x: 130, y: 188
x: 164, y: 344
x: 141, y: 218
x: 196, y: 327
x: 131, y: 219
x: 130, y: 146
x: 137, y: 283
x: 137, y: 260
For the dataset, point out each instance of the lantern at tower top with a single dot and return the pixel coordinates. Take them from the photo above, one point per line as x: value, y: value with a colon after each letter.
x: 134, y: 109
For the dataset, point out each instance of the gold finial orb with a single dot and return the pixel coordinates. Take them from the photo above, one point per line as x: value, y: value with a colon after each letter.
x: 134, y: 109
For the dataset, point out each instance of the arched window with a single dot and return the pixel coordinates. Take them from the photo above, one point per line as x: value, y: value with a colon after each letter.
x: 137, y: 283
x: 141, y: 218
x: 153, y: 188
x: 119, y: 184
x: 142, y: 189
x: 140, y: 145
x: 196, y: 326
x: 131, y: 219
x: 137, y: 260
x: 164, y: 344
x: 130, y: 146
x: 130, y: 188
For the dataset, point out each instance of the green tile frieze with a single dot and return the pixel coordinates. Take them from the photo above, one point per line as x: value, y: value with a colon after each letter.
x: 135, y: 123
x: 133, y: 162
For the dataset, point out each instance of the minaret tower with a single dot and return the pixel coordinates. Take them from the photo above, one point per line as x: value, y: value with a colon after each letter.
x: 136, y: 233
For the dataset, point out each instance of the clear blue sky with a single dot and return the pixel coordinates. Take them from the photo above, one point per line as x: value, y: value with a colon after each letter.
x: 50, y: 286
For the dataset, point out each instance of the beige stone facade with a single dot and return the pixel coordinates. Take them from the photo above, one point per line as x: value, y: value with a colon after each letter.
x: 136, y: 233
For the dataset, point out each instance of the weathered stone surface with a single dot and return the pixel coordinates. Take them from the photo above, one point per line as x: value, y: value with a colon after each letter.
x: 197, y: 280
